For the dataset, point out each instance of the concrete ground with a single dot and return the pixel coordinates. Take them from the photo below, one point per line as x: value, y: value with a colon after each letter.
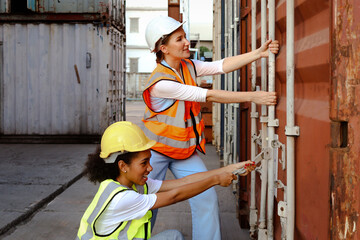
x: 44, y: 195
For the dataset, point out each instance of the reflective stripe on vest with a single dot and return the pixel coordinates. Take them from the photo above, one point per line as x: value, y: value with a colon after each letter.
x: 137, y: 229
x: 179, y: 129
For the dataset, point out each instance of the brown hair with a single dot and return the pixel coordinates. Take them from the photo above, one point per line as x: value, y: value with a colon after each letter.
x: 162, y: 41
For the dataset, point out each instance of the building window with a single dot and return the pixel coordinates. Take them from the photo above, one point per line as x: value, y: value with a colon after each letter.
x: 134, y: 25
x: 134, y: 63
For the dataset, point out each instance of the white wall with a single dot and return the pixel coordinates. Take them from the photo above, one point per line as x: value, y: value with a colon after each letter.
x: 136, y: 46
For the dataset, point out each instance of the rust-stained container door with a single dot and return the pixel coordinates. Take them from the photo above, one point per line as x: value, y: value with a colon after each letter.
x: 311, y: 107
x: 345, y: 117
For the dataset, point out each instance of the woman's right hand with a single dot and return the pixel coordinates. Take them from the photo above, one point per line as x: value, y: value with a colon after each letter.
x: 226, y: 178
x: 262, y: 97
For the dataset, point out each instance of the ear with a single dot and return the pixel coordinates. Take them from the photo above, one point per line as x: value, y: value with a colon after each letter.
x: 163, y: 48
x: 122, y: 166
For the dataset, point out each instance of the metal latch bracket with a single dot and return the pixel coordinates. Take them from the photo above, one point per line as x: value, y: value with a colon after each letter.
x: 292, y: 131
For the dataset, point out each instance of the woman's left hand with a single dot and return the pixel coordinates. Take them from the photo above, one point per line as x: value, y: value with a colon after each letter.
x: 236, y: 166
x: 249, y: 167
x: 271, y: 45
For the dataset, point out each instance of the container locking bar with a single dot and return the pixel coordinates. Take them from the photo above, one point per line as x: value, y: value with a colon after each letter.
x: 257, y: 139
x: 277, y: 144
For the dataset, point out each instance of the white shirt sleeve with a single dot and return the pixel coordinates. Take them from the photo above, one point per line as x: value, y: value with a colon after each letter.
x: 153, y: 185
x: 127, y: 205
x: 178, y: 91
x: 208, y: 68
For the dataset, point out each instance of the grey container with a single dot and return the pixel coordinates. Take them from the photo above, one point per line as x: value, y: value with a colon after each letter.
x: 41, y: 92
x: 112, y: 11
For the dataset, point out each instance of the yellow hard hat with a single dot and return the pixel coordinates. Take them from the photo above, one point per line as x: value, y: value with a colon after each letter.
x: 124, y: 137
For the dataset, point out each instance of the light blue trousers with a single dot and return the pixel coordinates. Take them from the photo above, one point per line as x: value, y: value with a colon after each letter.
x: 204, y: 207
x: 171, y: 234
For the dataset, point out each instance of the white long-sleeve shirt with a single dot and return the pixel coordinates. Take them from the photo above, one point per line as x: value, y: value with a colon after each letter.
x: 164, y: 92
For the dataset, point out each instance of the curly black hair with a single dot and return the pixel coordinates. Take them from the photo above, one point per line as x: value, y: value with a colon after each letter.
x: 97, y: 170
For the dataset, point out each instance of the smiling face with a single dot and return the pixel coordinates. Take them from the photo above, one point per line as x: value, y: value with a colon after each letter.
x: 137, y: 171
x: 177, y: 47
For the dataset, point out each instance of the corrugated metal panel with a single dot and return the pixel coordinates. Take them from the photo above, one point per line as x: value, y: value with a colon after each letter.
x: 115, y: 9
x: 110, y: 11
x: 72, y: 6
x: 327, y: 60
x: 312, y: 68
x: 42, y: 94
x: 116, y: 91
x: 311, y: 114
x: 4, y: 7
x: 312, y: 88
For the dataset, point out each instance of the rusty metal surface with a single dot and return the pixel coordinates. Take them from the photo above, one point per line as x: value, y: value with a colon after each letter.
x: 312, y: 77
x: 109, y: 11
x: 345, y: 116
x: 49, y: 17
x: 311, y: 115
x: 327, y: 109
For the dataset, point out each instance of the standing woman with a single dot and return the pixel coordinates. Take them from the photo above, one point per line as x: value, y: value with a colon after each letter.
x: 172, y: 116
x: 121, y: 209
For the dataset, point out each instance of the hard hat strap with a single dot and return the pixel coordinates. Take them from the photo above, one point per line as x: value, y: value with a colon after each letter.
x: 112, y: 158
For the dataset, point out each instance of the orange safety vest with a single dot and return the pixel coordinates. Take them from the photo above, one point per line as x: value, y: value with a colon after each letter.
x: 179, y: 129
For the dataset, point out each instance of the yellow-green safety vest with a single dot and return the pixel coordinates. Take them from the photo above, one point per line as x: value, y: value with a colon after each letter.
x: 136, y: 229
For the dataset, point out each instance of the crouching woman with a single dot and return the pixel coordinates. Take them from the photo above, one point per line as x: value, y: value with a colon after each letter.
x: 121, y: 209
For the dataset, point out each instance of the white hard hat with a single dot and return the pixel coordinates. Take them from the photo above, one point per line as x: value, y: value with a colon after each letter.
x: 158, y: 27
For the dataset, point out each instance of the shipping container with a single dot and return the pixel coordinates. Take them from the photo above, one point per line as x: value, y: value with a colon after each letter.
x: 326, y: 69
x: 109, y: 12
x: 61, y: 77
